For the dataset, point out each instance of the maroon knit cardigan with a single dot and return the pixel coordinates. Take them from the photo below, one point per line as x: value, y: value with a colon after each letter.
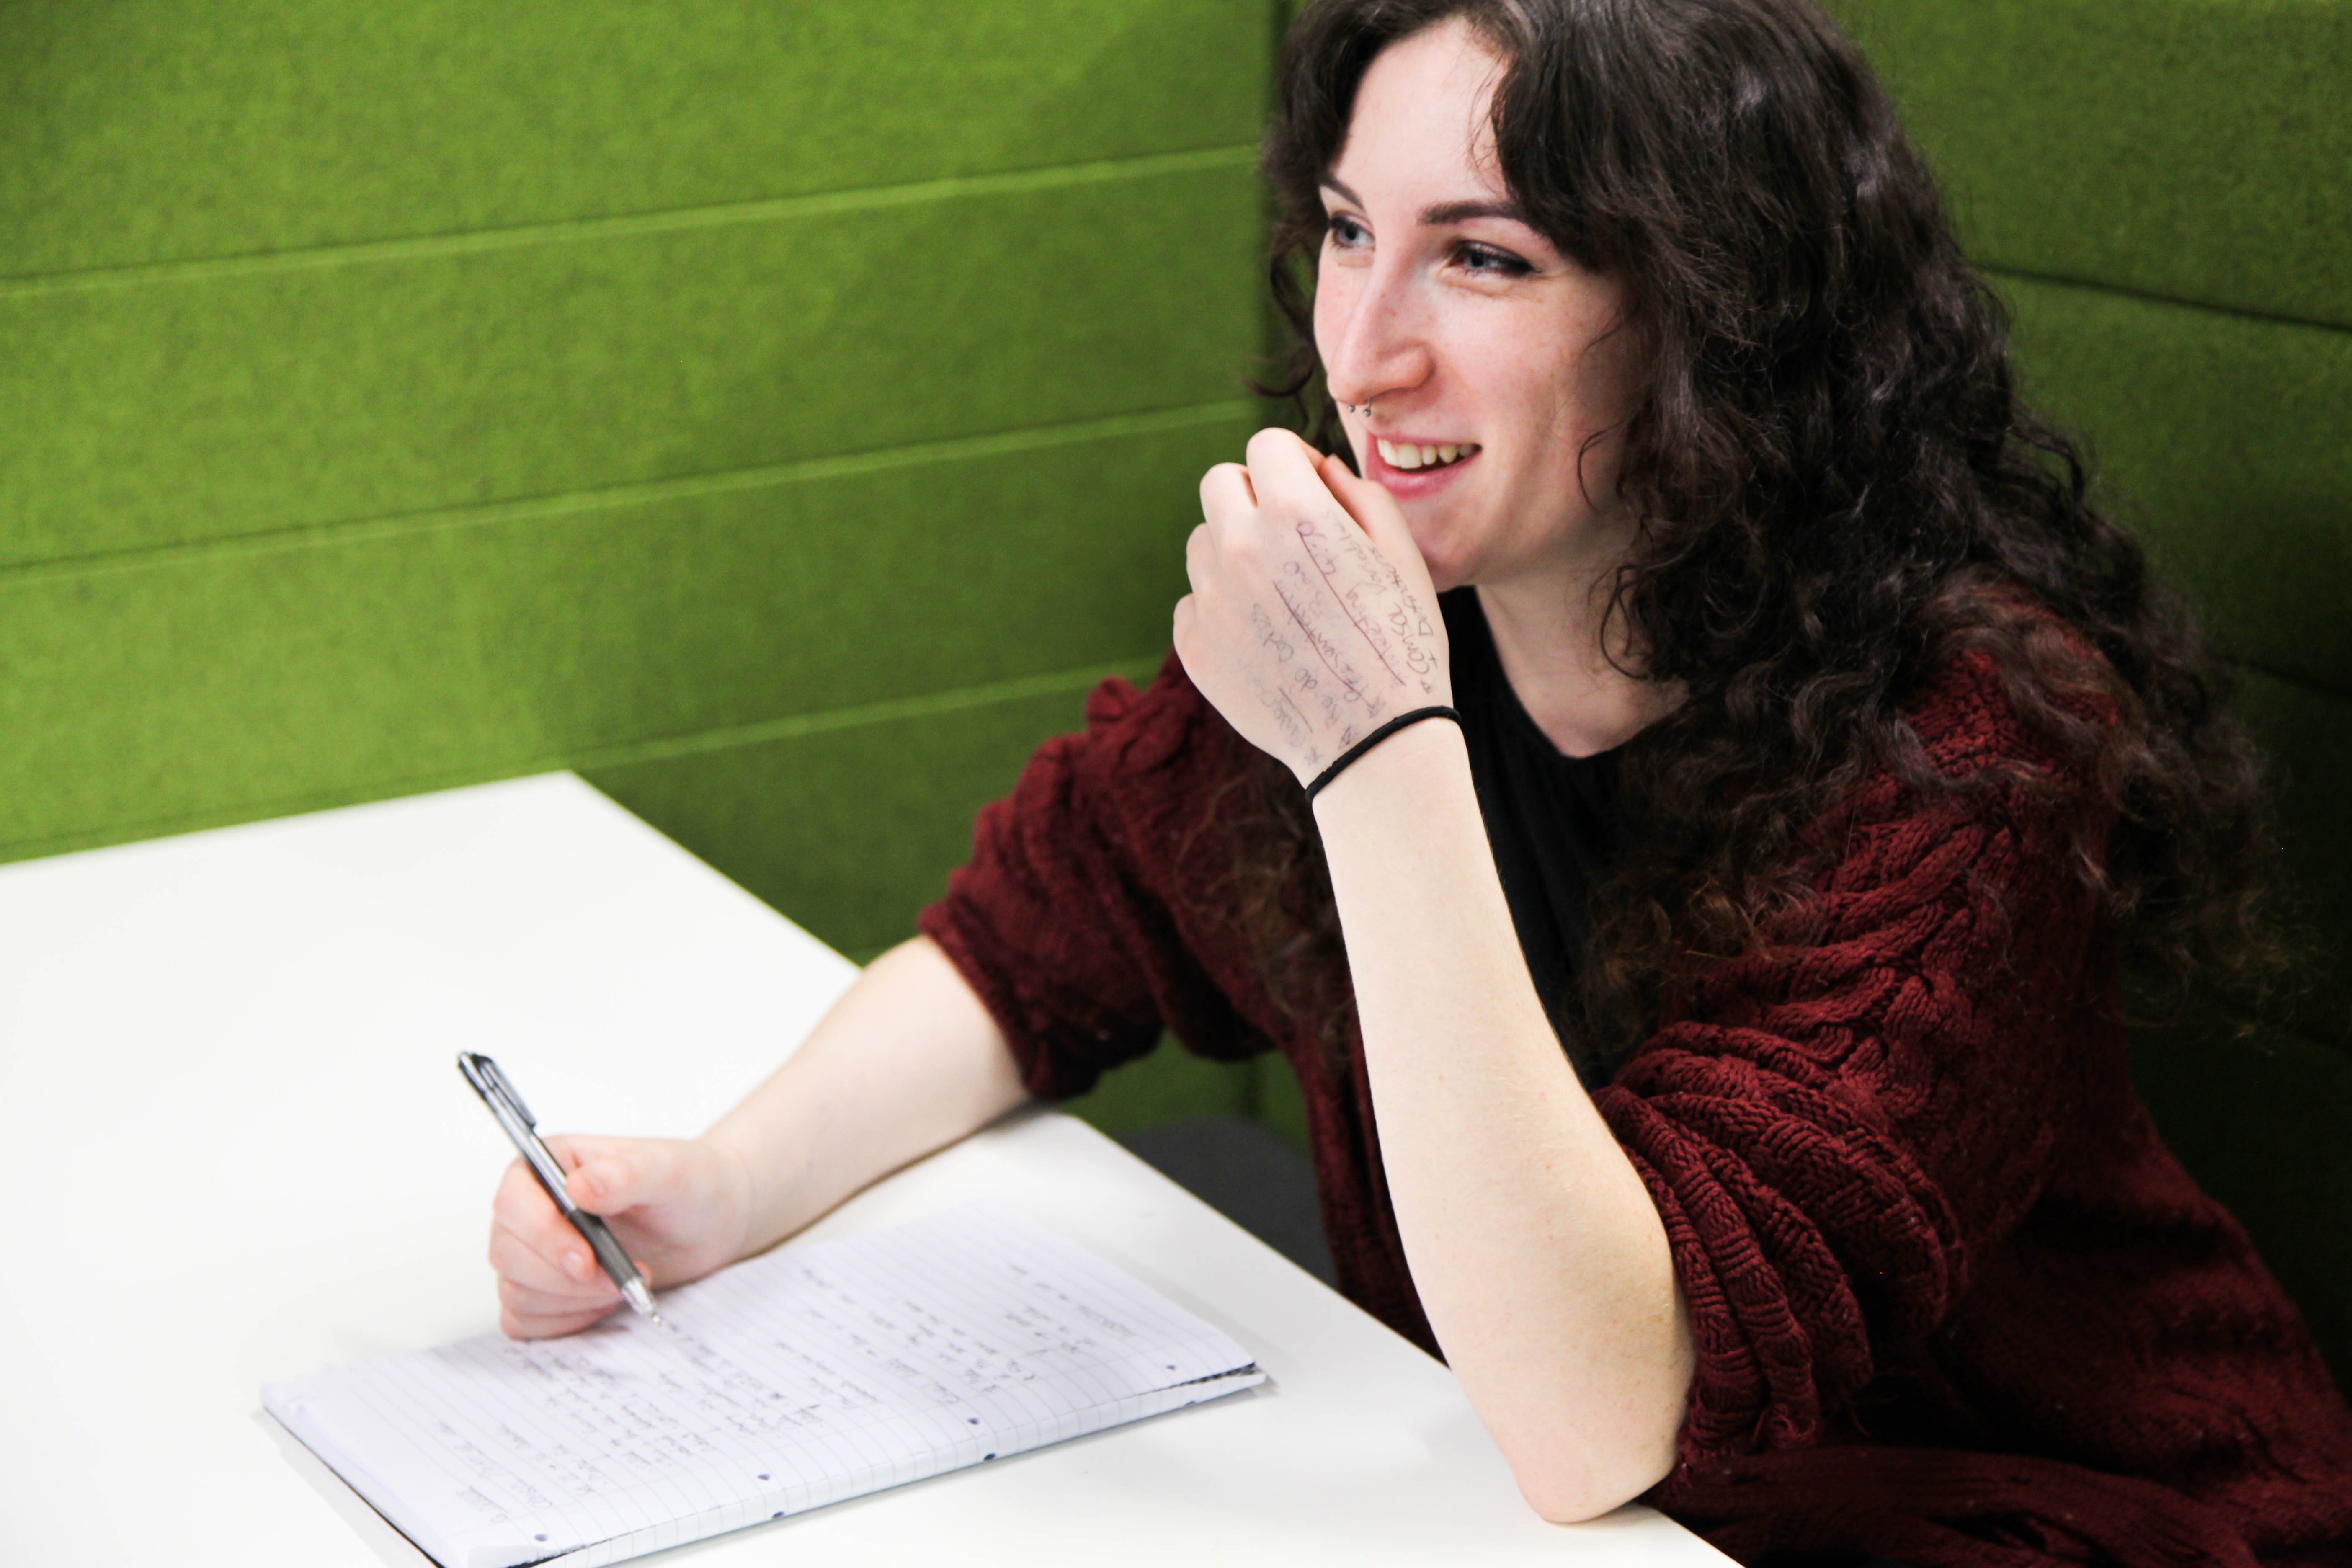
x: 1954, y: 1301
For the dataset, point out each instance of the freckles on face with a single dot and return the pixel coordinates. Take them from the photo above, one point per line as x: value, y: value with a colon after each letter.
x: 1459, y: 326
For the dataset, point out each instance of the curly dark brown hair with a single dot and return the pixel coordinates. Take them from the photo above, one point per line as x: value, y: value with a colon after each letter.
x: 1841, y: 492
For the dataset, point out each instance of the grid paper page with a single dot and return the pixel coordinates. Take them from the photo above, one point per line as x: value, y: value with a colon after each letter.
x: 816, y: 1373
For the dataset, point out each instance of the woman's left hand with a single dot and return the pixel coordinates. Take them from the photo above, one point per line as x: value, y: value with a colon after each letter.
x: 1311, y: 621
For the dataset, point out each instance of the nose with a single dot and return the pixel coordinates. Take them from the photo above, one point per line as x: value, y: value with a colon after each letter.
x: 1371, y: 330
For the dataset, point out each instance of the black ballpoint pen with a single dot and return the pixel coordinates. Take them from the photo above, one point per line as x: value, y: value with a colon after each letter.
x: 522, y: 1127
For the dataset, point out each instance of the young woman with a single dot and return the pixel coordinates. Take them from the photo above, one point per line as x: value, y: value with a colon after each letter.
x: 1705, y: 998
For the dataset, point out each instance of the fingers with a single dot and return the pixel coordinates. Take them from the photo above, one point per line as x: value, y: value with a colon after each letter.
x: 1280, y: 464
x: 669, y: 1200
x: 1227, y: 492
x: 1308, y: 486
x: 1282, y: 467
x: 570, y: 1272
x: 595, y: 1296
x: 530, y: 1241
x: 1277, y: 452
x: 522, y: 1321
x: 541, y: 1261
x: 548, y: 1281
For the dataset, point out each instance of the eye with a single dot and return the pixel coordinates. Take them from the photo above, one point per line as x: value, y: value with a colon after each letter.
x: 1346, y: 232
x: 1486, y: 261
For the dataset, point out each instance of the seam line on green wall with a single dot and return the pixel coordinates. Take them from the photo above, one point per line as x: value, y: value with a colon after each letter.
x: 722, y: 214
x: 2150, y: 296
x: 725, y: 481
x: 929, y: 705
x: 600, y: 759
x: 666, y: 748
x: 2285, y: 677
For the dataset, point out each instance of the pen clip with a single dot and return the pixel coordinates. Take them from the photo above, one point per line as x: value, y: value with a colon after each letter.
x: 508, y: 1111
x: 492, y: 1085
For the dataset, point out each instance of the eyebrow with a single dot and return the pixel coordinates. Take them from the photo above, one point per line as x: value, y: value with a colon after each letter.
x: 1444, y: 213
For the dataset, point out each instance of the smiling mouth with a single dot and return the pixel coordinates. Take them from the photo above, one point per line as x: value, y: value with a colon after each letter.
x: 1407, y: 455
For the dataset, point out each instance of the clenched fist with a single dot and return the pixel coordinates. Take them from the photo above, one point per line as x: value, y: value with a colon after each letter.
x: 1311, y: 621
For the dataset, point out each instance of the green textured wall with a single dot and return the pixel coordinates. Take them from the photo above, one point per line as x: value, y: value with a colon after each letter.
x: 398, y: 396
x: 2162, y: 191
x: 780, y: 413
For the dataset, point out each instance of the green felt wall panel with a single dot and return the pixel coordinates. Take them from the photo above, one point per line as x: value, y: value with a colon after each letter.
x: 138, y: 132
x: 783, y: 411
x: 851, y: 831
x: 169, y: 411
x: 2223, y: 441
x: 2192, y: 149
x: 245, y: 681
x: 2220, y: 438
x: 2306, y: 734
x: 1170, y: 1085
x: 1280, y: 1103
x: 2260, y: 1122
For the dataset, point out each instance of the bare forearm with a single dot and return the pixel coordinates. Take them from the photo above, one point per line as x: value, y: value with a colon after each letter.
x: 908, y: 1061
x: 1536, y: 1249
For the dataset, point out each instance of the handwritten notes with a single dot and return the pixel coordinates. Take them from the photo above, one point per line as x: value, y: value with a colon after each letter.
x: 816, y: 1373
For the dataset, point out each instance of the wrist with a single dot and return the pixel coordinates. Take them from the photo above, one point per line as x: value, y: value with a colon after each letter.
x: 1409, y: 769
x: 743, y: 1203
x: 1421, y: 907
x: 1377, y: 735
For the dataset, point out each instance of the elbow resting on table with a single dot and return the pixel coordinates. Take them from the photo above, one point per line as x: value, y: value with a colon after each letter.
x: 1580, y: 1453
x: 1570, y: 1489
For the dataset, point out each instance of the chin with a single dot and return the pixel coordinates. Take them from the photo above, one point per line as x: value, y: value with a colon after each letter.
x: 1445, y: 573
x: 1445, y: 537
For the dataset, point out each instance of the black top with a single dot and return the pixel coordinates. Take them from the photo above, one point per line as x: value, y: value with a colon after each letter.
x: 1555, y: 823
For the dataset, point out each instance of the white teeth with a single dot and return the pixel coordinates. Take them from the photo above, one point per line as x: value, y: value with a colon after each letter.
x: 1407, y: 455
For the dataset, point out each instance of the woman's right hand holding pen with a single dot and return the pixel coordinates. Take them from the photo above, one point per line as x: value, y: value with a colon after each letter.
x: 906, y: 1061
x: 680, y: 1208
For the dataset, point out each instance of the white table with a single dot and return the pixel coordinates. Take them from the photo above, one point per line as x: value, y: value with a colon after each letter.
x: 235, y: 1148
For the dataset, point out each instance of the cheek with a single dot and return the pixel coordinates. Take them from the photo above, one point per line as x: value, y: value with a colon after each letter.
x: 1608, y: 359
x: 1575, y: 393
x: 1609, y: 374
x: 1334, y: 298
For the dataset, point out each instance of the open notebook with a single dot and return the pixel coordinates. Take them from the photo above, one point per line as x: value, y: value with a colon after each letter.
x: 814, y: 1373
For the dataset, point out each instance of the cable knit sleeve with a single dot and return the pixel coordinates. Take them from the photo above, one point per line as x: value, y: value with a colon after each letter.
x: 1829, y: 1134
x: 1061, y: 921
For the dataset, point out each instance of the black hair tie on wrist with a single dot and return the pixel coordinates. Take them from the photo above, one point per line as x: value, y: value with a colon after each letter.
x: 1374, y: 738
